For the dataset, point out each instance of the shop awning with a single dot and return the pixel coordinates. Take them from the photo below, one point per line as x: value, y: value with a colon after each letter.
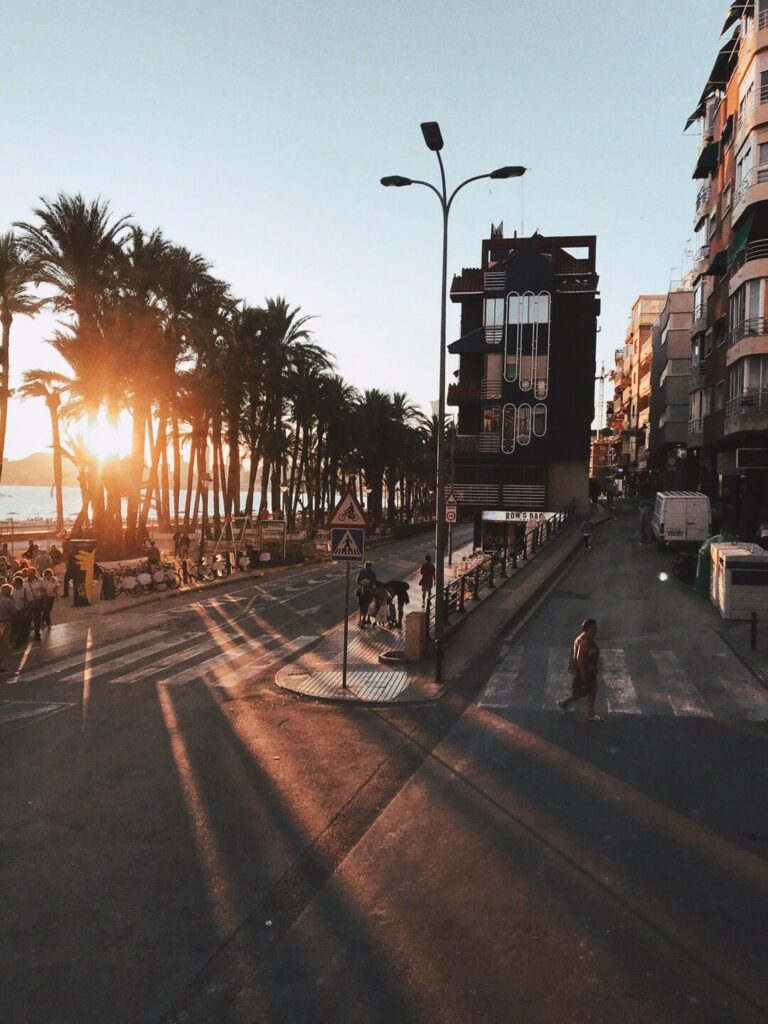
x: 727, y: 131
x: 738, y: 10
x: 741, y: 237
x: 472, y: 342
x: 725, y: 62
x: 718, y: 265
x: 707, y: 162
x: 698, y: 112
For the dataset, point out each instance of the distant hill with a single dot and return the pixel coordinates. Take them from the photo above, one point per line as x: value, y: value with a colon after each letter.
x: 35, y: 470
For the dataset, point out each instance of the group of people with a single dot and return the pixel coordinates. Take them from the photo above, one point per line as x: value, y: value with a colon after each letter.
x: 382, y: 604
x: 27, y: 594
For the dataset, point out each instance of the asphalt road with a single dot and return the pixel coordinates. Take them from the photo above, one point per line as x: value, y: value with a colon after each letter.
x: 214, y: 850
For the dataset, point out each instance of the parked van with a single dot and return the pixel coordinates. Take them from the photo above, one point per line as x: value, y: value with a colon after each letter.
x: 681, y: 517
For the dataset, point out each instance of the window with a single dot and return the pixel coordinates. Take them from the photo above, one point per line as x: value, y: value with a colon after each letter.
x: 745, y: 308
x: 711, y: 227
x: 744, y: 165
x: 508, y: 430
x: 707, y: 343
x: 762, y: 154
x: 491, y: 419
x: 539, y: 420
x: 764, y: 86
x: 719, y: 396
x: 494, y: 312
x: 727, y: 198
x: 706, y: 396
x: 523, y: 432
x: 748, y: 375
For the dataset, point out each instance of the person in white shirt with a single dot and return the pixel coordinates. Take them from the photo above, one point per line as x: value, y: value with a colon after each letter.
x: 22, y: 604
x: 37, y: 591
x: 49, y: 582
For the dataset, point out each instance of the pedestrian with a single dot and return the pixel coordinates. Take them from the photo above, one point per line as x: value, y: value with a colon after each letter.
x: 364, y: 595
x: 183, y: 545
x: 587, y: 529
x: 31, y: 551
x: 644, y: 517
x: 153, y: 557
x: 398, y: 591
x: 176, y: 539
x: 71, y: 571
x: 7, y: 610
x: 37, y: 601
x: 379, y: 615
x: 43, y: 562
x: 366, y: 573
x: 22, y: 612
x: 49, y: 581
x: 427, y: 580
x: 585, y: 655
x: 56, y: 556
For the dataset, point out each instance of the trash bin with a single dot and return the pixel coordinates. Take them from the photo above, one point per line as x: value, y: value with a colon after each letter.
x: 108, y: 586
x: 704, y: 567
x: 739, y: 584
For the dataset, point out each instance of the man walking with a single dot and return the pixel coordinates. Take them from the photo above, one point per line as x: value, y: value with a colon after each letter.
x: 427, y: 580
x: 6, y: 619
x: 37, y: 603
x: 398, y: 590
x: 587, y: 530
x: 585, y: 655
x: 644, y: 518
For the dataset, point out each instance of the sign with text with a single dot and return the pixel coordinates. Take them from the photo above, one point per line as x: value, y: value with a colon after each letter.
x: 518, y: 517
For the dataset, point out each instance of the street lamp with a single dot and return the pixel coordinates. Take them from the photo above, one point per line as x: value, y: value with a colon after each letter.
x: 434, y: 140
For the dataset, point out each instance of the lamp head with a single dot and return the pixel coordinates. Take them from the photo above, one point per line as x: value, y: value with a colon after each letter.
x: 507, y: 172
x: 395, y: 181
x: 431, y: 132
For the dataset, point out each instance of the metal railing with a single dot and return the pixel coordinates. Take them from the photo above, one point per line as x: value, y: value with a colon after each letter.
x: 757, y: 250
x: 703, y: 196
x: 702, y: 254
x: 698, y: 369
x: 490, y: 569
x: 757, y: 176
x: 755, y: 325
x: 753, y: 400
x: 478, y: 442
x: 696, y: 425
x: 762, y: 21
x: 700, y: 310
x: 490, y: 388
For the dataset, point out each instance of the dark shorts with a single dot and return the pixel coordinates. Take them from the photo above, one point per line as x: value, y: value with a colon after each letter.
x: 584, y: 687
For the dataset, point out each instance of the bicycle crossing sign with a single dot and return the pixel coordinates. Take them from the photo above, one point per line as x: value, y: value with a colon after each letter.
x: 348, y: 513
x: 347, y: 544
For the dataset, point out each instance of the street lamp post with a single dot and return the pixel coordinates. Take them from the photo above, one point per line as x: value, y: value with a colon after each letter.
x: 434, y: 140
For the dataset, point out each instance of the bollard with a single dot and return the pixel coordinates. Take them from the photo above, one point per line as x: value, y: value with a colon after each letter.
x: 429, y: 611
x: 753, y: 630
x: 461, y: 595
x: 504, y: 565
x: 476, y: 595
x: 185, y: 570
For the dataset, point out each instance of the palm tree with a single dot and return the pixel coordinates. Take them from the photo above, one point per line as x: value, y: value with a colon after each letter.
x: 16, y: 272
x: 50, y: 386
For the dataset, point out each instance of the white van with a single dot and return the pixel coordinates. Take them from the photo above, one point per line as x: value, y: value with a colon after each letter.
x: 681, y: 517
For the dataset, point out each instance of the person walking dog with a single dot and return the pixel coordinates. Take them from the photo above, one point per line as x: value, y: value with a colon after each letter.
x: 585, y: 656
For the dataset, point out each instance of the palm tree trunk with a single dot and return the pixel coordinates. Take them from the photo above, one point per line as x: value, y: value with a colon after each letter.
x: 165, y: 480
x: 252, y: 474
x: 53, y: 408
x: 176, y: 468
x: 6, y: 321
x: 190, y: 482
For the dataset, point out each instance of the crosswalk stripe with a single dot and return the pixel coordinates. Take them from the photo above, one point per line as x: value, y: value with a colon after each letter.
x: 107, y: 668
x: 683, y: 697
x: 240, y: 673
x: 178, y: 656
x: 56, y: 666
x: 200, y: 669
x: 559, y: 679
x: 620, y: 695
x: 501, y: 685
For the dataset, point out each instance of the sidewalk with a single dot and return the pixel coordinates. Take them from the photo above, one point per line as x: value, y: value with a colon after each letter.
x: 736, y: 635
x: 318, y: 675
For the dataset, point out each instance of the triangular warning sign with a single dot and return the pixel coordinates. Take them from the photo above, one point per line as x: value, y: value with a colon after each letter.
x: 348, y: 512
x: 348, y: 548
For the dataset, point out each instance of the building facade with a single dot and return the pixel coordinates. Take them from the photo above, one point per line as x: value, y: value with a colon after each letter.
x: 728, y: 415
x: 670, y: 379
x: 525, y: 383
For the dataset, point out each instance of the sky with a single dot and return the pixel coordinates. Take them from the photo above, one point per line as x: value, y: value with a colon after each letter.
x: 256, y: 134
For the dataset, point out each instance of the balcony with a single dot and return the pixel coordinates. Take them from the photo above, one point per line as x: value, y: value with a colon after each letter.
x: 696, y: 432
x: 753, y: 188
x: 703, y: 197
x: 696, y: 381
x: 478, y: 442
x: 524, y: 495
x: 752, y: 252
x: 702, y: 254
x: 645, y: 385
x: 748, y: 411
x: 748, y: 338
x: 474, y: 391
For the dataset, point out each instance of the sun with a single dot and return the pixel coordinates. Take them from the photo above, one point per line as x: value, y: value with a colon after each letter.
x: 108, y: 440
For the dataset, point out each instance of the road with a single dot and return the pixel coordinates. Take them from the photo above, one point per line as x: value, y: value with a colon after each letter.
x: 214, y: 850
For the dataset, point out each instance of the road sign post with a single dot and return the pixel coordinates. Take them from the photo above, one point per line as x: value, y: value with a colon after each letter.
x: 451, y: 516
x: 347, y: 524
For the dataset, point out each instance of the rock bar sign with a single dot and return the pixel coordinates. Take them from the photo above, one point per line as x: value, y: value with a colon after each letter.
x: 518, y: 517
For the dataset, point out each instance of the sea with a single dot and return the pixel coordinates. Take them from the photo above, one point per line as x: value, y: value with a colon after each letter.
x: 38, y: 504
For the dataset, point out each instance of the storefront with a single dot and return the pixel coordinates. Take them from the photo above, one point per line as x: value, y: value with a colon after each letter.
x: 495, y: 530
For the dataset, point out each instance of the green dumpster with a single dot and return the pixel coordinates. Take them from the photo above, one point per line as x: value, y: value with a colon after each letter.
x: 704, y: 567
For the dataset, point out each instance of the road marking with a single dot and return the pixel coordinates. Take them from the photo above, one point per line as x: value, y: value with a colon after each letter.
x: 243, y: 673
x: 130, y: 659
x: 621, y: 696
x: 683, y: 697
x: 499, y: 689
x: 55, y: 666
x: 199, y: 670
x: 13, y: 710
x: 738, y: 684
x: 559, y: 678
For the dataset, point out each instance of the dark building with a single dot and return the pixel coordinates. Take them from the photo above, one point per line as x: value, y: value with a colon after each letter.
x: 525, y: 389
x: 670, y: 384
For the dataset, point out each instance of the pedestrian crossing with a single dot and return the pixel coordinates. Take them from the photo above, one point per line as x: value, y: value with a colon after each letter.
x: 704, y: 681
x: 225, y: 658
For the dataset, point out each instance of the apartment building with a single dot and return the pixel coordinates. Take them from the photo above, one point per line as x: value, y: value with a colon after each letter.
x: 728, y: 399
x: 632, y: 400
x: 670, y: 386
x: 525, y: 382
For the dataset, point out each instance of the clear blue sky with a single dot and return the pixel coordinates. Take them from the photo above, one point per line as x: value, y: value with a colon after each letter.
x: 256, y: 134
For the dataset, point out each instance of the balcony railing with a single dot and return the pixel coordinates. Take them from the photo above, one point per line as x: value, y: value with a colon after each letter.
x: 702, y: 254
x: 757, y: 176
x: 754, y: 326
x: 700, y: 310
x: 698, y: 370
x: 476, y: 494
x: 473, y: 391
x: 478, y: 442
x: 745, y: 406
x: 752, y: 251
x: 762, y: 21
x: 703, y: 197
x: 645, y: 384
x: 490, y: 389
x: 695, y: 426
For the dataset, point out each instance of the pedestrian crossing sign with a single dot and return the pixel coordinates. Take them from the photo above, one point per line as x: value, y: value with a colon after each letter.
x: 347, y: 544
